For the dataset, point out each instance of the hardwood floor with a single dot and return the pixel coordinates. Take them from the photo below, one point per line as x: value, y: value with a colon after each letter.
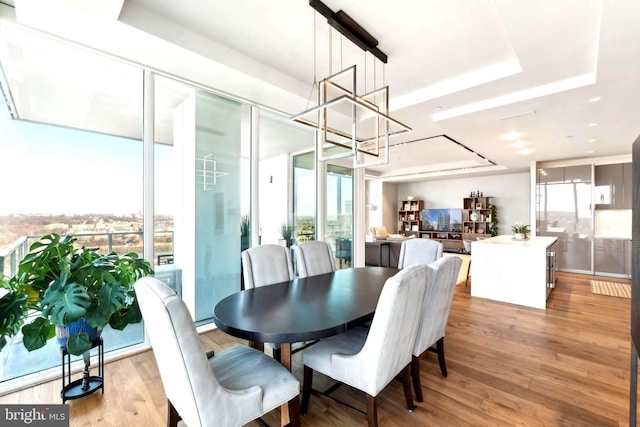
x: 508, y: 365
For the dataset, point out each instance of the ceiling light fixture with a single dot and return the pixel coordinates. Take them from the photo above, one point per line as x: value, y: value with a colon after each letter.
x: 519, y: 144
x: 593, y: 124
x: 595, y: 99
x: 365, y: 137
x: 525, y: 113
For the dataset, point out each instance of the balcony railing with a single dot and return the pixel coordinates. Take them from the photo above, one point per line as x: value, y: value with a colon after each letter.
x: 119, y: 241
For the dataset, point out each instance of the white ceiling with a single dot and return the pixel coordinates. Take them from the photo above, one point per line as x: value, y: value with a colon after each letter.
x: 463, y: 74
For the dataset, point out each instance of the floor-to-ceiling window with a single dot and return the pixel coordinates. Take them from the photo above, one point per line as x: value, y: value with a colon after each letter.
x: 202, y: 183
x: 340, y: 213
x: 72, y: 162
x: 280, y: 139
x: 304, y: 196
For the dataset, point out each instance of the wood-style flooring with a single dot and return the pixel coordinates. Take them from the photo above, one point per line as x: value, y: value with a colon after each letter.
x: 508, y: 365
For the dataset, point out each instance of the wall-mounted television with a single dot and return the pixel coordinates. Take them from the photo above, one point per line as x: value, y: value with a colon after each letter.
x: 442, y: 219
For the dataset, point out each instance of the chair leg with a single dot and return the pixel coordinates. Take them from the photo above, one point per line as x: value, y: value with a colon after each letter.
x: 372, y: 411
x: 468, y: 270
x: 440, y: 349
x: 306, y: 389
x: 406, y: 384
x: 277, y: 354
x: 415, y: 375
x: 294, y: 411
x: 172, y: 415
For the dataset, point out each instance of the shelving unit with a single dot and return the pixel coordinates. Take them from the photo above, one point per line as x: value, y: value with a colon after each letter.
x: 410, y: 217
x: 476, y: 217
x: 451, y: 240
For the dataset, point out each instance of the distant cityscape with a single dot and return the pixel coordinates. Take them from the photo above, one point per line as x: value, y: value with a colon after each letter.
x: 125, y: 230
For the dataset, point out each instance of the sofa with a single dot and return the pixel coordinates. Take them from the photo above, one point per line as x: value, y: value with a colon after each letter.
x: 380, y: 234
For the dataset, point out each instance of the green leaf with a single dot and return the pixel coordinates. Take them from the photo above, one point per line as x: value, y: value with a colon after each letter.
x: 65, y: 305
x: 37, y: 333
x: 13, y: 310
x: 111, y: 299
x: 126, y: 316
x: 79, y: 343
x: 94, y: 318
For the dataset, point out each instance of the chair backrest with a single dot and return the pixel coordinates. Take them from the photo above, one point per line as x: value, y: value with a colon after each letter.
x: 379, y: 232
x: 419, y: 251
x: 388, y: 346
x: 313, y: 258
x: 467, y: 245
x: 266, y: 265
x: 441, y: 283
x: 188, y: 379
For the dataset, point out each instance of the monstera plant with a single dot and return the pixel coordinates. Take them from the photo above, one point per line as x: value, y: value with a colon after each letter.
x: 59, y: 284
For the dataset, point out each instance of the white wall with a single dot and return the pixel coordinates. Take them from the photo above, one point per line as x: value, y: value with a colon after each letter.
x: 510, y: 192
x: 274, y: 185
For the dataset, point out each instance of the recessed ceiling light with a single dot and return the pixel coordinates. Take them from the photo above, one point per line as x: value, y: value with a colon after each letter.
x: 525, y: 151
x: 595, y: 99
x: 590, y: 152
x: 592, y: 140
x: 519, y: 144
x: 593, y: 124
x: 512, y: 136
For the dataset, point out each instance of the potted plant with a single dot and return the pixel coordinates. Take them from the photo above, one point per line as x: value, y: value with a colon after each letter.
x: 286, y: 230
x: 494, y: 220
x: 245, y: 227
x: 76, y: 291
x: 520, y: 231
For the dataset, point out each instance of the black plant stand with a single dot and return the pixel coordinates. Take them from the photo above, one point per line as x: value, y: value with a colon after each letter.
x: 88, y: 383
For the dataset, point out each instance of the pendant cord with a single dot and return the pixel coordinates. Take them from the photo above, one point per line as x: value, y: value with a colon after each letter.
x: 365, y: 71
x: 314, y: 86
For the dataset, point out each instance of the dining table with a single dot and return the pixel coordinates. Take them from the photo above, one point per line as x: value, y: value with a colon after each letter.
x: 303, y: 309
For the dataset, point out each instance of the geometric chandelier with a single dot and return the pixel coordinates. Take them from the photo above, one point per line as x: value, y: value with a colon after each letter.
x: 348, y: 124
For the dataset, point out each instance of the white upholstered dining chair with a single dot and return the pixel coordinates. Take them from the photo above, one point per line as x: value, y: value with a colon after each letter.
x: 313, y: 258
x: 231, y: 388
x: 419, y: 251
x: 369, y: 358
x: 441, y: 282
x: 266, y: 265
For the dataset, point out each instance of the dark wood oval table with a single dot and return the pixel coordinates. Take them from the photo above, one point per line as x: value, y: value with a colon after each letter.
x: 302, y: 309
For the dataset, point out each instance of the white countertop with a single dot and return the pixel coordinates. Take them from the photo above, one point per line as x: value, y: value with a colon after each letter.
x: 507, y: 239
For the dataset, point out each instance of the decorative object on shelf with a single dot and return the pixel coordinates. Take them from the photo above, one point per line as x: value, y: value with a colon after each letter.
x: 520, y: 231
x: 410, y: 198
x: 65, y: 283
x: 473, y: 216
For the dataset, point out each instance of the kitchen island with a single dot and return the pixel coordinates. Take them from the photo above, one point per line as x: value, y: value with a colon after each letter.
x: 515, y: 271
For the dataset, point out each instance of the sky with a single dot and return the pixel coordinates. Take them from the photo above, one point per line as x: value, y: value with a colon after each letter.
x: 47, y: 169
